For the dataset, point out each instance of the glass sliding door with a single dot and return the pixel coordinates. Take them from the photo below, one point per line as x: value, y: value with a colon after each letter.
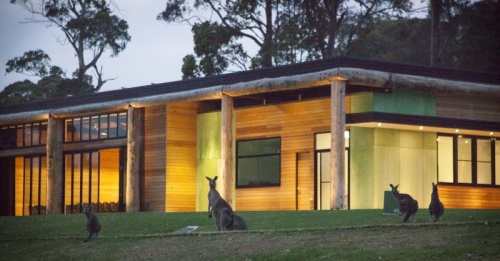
x: 95, y: 178
x: 30, y: 185
x: 322, y: 148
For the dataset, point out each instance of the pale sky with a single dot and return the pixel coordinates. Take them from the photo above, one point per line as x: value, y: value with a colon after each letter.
x: 154, y: 54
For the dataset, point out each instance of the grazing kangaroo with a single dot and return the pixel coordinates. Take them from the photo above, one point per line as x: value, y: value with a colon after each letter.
x: 436, y: 207
x: 224, y: 217
x: 93, y: 224
x: 407, y: 205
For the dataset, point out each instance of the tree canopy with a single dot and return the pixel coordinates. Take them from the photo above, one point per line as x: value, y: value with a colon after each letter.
x: 284, y: 32
x: 90, y: 28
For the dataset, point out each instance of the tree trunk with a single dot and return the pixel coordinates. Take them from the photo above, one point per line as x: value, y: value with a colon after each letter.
x: 227, y: 159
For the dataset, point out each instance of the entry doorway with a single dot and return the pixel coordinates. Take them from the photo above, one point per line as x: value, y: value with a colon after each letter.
x: 322, y: 170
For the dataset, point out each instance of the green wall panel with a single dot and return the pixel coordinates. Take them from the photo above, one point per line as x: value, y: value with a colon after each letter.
x: 209, y: 153
x: 400, y: 101
x: 383, y: 156
x: 405, y: 101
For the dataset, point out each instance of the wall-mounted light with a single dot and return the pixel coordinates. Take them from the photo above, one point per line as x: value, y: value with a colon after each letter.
x: 421, y: 127
x: 456, y: 130
x: 379, y: 124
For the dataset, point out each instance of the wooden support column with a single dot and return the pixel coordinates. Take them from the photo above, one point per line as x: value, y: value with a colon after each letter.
x: 337, y: 173
x: 227, y: 159
x: 54, y: 166
x: 134, y: 144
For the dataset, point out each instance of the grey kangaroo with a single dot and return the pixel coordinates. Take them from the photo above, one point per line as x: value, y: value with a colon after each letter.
x: 93, y: 224
x: 436, y: 207
x: 407, y: 205
x: 224, y: 217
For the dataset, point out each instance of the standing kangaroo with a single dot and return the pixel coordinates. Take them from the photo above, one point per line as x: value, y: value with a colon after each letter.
x: 93, y: 224
x: 224, y: 217
x: 436, y: 207
x: 407, y: 205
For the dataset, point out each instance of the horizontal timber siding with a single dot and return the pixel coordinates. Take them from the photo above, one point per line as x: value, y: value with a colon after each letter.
x: 181, y: 157
x: 153, y: 191
x: 468, y: 107
x: 469, y: 197
x: 296, y: 123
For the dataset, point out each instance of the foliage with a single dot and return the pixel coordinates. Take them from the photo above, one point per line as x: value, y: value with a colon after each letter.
x: 273, y: 235
x: 90, y: 28
x: 31, y: 63
x: 285, y: 32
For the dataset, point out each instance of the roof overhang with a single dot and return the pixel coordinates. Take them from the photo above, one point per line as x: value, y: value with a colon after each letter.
x: 355, y: 76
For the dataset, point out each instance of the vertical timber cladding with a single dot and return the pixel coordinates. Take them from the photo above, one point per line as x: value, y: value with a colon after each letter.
x: 296, y: 123
x: 153, y: 176
x: 181, y: 157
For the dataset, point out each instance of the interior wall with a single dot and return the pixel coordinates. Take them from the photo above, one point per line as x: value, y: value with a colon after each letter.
x: 380, y: 157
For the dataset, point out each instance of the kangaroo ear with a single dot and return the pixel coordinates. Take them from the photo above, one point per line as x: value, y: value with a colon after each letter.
x: 215, y: 178
x: 391, y: 185
x: 207, y: 178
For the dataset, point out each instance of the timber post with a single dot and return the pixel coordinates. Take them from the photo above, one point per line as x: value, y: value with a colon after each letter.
x: 134, y: 144
x: 54, y: 166
x: 227, y: 159
x: 337, y: 173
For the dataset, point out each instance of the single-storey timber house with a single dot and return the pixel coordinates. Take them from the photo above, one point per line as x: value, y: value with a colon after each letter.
x: 326, y: 134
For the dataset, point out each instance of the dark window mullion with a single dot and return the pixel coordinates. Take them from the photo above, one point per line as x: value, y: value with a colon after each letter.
x: 455, y: 159
x: 493, y: 163
x: 474, y: 160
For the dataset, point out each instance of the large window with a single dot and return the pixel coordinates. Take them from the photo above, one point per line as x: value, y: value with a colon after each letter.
x: 104, y: 126
x: 258, y: 163
x: 30, y: 185
x: 24, y: 135
x: 468, y: 160
x: 95, y: 178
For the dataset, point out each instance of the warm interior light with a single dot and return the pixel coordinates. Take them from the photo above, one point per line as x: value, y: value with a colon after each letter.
x: 456, y: 131
x: 346, y: 134
x: 379, y: 124
x: 421, y: 127
x: 491, y: 133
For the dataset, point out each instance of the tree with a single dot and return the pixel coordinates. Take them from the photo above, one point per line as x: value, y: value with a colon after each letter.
x: 90, y: 28
x: 286, y: 31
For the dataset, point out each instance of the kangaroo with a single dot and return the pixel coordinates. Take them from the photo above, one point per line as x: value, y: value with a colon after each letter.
x: 436, y: 207
x: 407, y: 205
x: 238, y: 223
x: 224, y: 217
x: 93, y: 224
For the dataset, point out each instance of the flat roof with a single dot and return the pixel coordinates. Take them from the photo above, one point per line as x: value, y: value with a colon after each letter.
x: 245, y: 76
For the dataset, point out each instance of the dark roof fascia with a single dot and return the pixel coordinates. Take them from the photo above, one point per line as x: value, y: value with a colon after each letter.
x: 418, y: 120
x: 245, y: 76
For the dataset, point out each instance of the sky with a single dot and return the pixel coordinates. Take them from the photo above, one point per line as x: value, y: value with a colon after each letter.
x: 154, y: 54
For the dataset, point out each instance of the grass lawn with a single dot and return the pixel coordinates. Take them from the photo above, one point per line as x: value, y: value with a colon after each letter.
x: 284, y: 235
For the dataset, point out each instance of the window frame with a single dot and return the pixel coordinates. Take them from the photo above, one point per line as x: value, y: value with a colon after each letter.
x: 103, y: 133
x: 258, y: 156
x: 474, y: 160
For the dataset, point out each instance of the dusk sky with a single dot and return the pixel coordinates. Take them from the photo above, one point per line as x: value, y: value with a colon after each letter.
x: 154, y: 54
